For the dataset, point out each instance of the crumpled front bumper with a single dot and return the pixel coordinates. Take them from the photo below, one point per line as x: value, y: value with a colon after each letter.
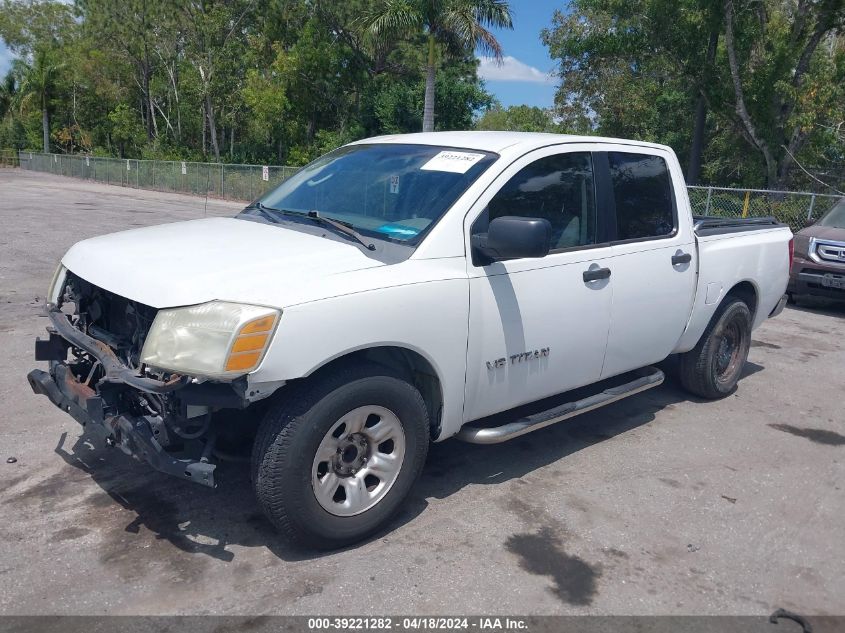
x: 134, y: 435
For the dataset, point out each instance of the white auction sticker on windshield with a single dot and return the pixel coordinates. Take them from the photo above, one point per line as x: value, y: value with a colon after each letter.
x: 455, y: 162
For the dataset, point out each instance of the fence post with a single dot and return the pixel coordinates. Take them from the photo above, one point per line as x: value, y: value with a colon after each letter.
x: 707, y: 204
x: 810, y: 210
x: 221, y: 181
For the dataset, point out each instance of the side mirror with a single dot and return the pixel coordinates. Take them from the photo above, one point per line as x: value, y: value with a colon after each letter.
x: 514, y: 237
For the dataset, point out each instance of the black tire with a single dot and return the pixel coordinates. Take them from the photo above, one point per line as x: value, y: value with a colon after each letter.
x: 290, y: 434
x: 712, y: 368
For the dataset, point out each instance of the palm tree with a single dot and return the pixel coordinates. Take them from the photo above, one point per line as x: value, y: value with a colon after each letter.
x: 459, y: 24
x: 8, y: 92
x: 37, y: 83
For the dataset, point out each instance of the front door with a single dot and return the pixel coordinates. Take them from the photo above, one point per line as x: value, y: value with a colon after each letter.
x: 538, y: 327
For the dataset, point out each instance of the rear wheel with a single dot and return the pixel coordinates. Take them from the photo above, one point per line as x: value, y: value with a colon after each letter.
x: 713, y: 367
x: 334, y: 460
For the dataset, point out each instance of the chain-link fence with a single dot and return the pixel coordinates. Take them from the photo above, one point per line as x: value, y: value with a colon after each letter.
x: 248, y: 182
x: 8, y: 158
x: 219, y: 180
x: 790, y: 207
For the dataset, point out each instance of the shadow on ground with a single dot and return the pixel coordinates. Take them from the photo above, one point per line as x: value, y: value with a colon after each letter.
x: 818, y: 305
x: 199, y: 520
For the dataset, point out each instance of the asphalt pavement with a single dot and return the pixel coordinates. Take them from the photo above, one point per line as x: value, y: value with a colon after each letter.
x: 659, y: 504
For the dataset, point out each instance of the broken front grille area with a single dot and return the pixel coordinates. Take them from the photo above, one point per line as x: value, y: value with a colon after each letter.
x: 120, y: 323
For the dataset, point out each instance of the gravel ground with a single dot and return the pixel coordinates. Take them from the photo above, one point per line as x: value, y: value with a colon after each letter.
x: 660, y: 504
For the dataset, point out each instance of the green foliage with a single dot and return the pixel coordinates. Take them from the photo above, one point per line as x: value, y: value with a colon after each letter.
x: 266, y: 81
x: 639, y: 68
x: 521, y: 118
x: 126, y: 130
x: 458, y: 26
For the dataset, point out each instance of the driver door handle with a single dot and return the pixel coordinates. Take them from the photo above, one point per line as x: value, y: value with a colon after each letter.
x: 596, y: 274
x: 681, y: 258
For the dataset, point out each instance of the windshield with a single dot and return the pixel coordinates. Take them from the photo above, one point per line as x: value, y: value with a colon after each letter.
x: 393, y: 192
x: 835, y: 217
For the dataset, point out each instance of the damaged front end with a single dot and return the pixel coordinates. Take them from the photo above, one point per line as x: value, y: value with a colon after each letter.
x: 96, y: 375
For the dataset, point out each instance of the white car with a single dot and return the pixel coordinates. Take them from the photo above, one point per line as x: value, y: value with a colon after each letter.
x: 398, y: 291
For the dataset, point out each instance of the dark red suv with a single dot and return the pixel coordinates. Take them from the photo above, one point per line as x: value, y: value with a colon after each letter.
x: 818, y: 268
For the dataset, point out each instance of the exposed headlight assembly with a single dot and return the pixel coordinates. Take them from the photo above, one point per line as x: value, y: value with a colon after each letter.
x: 56, y: 284
x: 216, y: 339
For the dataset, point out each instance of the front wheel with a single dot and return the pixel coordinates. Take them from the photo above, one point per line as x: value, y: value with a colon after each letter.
x: 713, y: 367
x: 334, y: 460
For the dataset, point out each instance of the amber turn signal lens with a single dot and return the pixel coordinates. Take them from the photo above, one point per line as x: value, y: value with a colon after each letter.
x: 245, y: 360
x: 264, y: 324
x: 251, y: 343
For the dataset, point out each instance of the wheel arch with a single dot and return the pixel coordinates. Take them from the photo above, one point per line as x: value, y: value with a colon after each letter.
x: 748, y: 292
x: 407, y: 362
x: 703, y: 313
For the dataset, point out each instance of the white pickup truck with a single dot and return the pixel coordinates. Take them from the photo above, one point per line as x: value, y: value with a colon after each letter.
x: 397, y: 291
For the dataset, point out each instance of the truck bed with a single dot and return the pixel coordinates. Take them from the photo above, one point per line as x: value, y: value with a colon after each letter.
x: 714, y: 225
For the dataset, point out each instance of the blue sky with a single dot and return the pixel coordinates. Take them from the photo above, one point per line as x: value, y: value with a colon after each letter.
x: 523, y: 78
x: 5, y: 58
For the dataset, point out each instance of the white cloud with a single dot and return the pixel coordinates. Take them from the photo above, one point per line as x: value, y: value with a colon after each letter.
x: 511, y: 69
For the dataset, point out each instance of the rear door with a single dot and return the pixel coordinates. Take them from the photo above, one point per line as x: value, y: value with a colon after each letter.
x: 653, y: 258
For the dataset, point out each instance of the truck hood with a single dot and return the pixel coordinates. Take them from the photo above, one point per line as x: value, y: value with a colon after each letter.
x: 192, y: 262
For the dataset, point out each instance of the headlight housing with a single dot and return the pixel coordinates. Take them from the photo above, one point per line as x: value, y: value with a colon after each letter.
x: 216, y: 339
x: 56, y: 284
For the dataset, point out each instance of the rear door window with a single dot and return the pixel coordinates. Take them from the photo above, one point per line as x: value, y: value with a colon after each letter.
x: 642, y: 190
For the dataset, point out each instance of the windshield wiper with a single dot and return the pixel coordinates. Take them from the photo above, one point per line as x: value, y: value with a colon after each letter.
x: 341, y: 227
x: 268, y: 213
x: 344, y: 228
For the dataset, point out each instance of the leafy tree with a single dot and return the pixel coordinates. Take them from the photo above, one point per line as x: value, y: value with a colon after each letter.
x: 215, y: 31
x: 458, y: 24
x: 701, y: 75
x: 783, y: 85
x: 26, y: 25
x: 521, y: 118
x: 267, y: 80
x: 126, y: 130
x: 8, y: 94
x: 37, y: 85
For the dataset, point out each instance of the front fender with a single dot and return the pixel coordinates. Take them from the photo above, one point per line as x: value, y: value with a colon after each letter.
x: 428, y: 318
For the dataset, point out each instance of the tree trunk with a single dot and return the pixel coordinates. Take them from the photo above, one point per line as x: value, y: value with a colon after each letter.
x: 178, y: 103
x: 148, y: 101
x: 45, y: 127
x: 232, y: 143
x: 428, y: 108
x: 212, y: 127
x: 694, y: 167
x: 742, y: 114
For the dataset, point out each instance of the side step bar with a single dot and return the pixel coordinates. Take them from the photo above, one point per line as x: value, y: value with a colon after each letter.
x: 646, y: 378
